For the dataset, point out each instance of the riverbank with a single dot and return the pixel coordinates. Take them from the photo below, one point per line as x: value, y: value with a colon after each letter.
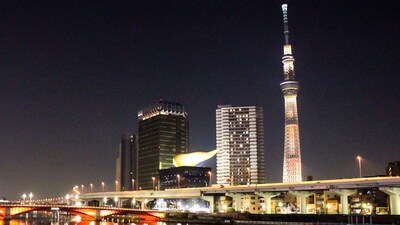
x: 248, y: 218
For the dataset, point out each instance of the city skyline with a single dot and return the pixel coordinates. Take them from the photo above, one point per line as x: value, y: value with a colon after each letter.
x: 74, y: 76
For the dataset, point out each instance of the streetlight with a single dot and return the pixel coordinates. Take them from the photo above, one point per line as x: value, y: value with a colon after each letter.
x: 67, y: 197
x: 24, y: 197
x: 102, y: 185
x: 83, y: 187
x: 179, y: 180
x: 209, y: 174
x: 133, y: 184
x: 359, y: 165
x: 154, y: 181
x: 105, y: 200
x: 30, y: 197
x: 91, y: 187
x: 116, y: 201
x: 76, y: 199
x: 133, y: 202
x: 116, y: 185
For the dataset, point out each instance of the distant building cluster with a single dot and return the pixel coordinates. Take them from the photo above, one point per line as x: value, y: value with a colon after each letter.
x: 145, y: 161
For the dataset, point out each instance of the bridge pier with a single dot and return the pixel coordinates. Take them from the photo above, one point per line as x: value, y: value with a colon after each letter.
x: 344, y: 198
x: 210, y: 199
x: 7, y: 214
x: 237, y: 199
x: 97, y: 216
x: 302, y: 195
x: 394, y: 199
x: 267, y: 200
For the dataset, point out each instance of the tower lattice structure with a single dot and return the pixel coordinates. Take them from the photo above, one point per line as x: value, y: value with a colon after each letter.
x: 290, y: 88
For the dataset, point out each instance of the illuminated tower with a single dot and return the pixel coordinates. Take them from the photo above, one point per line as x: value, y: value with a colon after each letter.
x: 290, y: 87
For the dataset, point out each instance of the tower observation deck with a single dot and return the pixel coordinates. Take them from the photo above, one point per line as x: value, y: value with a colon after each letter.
x: 289, y: 88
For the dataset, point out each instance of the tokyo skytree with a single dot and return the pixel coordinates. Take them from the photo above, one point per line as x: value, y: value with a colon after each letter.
x: 290, y: 87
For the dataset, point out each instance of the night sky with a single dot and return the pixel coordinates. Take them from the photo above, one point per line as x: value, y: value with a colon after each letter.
x: 74, y: 73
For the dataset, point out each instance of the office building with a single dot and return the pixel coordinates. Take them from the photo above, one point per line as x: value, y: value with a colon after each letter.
x: 289, y: 88
x: 185, y: 177
x: 163, y: 133
x: 126, y: 169
x: 240, y: 140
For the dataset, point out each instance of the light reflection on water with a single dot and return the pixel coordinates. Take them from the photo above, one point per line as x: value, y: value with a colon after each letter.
x: 48, y: 222
x: 75, y: 220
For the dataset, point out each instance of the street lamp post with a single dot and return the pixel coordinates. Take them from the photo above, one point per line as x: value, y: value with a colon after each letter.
x: 116, y: 201
x: 209, y: 174
x: 24, y: 197
x: 67, y: 197
x: 179, y: 180
x: 133, y: 184
x: 154, y: 182
x: 116, y: 185
x: 83, y: 187
x: 102, y: 185
x: 359, y: 165
x: 91, y: 187
x: 30, y: 197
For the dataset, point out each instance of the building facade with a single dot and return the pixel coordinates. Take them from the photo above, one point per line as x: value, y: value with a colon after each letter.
x: 163, y: 133
x: 290, y: 87
x: 240, y: 138
x: 127, y: 162
x: 185, y: 177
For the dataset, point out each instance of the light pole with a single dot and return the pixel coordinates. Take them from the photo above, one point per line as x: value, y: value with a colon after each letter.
x: 116, y: 185
x: 104, y: 200
x: 102, y: 185
x: 67, y: 197
x: 91, y: 187
x: 30, y: 197
x: 24, y: 197
x: 179, y: 180
x: 133, y: 184
x: 154, y: 182
x: 116, y: 201
x: 133, y: 202
x: 76, y: 200
x: 359, y: 165
x: 83, y: 187
x: 209, y: 174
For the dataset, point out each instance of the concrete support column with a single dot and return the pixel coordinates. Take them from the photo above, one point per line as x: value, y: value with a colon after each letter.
x: 394, y: 199
x: 7, y: 214
x: 209, y: 199
x: 143, y: 204
x: 267, y: 200
x: 98, y: 215
x: 344, y: 198
x: 237, y: 199
x: 302, y: 195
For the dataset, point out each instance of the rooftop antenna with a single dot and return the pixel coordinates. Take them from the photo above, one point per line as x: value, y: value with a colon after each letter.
x: 285, y: 23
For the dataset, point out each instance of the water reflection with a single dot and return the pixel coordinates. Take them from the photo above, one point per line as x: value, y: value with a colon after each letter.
x: 49, y: 222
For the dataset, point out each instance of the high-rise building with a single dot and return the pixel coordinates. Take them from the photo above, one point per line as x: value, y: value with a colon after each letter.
x: 126, y: 169
x: 163, y: 133
x: 393, y: 169
x: 290, y: 87
x: 240, y: 138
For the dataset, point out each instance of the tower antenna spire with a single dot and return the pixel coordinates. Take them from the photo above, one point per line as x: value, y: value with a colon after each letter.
x: 285, y: 23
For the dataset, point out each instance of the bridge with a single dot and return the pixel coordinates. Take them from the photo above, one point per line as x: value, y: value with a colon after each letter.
x: 97, y: 213
x: 301, y: 190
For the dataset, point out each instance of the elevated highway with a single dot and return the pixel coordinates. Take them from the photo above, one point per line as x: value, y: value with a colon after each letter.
x: 343, y: 187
